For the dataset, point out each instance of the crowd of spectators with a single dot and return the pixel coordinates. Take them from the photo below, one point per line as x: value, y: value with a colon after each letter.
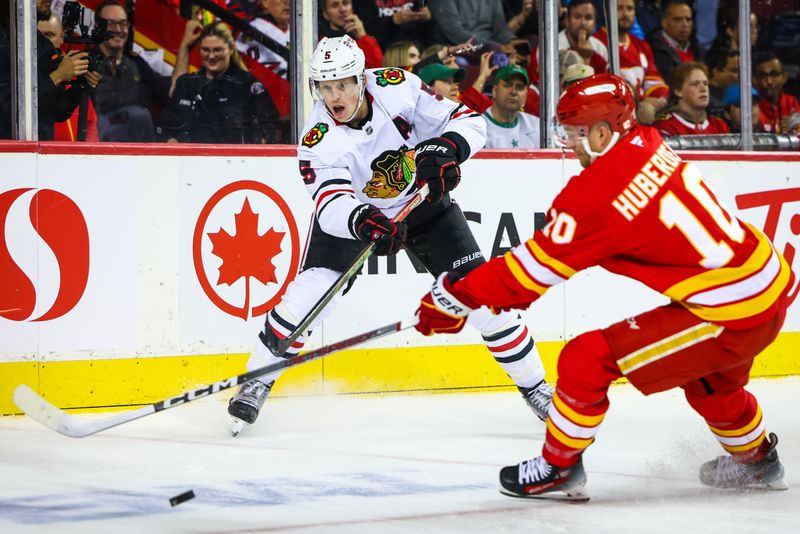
x: 228, y: 85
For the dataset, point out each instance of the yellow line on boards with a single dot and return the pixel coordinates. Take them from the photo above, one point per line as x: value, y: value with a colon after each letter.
x: 86, y: 384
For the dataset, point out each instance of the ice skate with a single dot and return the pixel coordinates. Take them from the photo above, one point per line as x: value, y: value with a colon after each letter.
x: 537, y: 479
x: 245, y: 405
x: 726, y: 472
x: 538, y: 398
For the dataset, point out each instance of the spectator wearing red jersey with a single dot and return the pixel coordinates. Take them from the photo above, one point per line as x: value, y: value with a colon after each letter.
x: 636, y: 61
x: 776, y: 106
x: 341, y: 20
x: 673, y: 43
x: 580, y: 25
x: 690, y: 96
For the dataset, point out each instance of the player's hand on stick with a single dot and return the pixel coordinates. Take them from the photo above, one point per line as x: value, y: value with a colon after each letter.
x: 437, y: 165
x: 444, y: 309
x: 371, y: 224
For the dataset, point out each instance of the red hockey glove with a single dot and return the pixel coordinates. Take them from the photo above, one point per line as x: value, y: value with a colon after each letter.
x: 444, y: 309
x: 437, y: 165
x: 370, y: 224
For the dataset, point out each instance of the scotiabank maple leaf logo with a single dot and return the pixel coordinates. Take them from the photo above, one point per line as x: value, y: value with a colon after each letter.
x: 246, y: 254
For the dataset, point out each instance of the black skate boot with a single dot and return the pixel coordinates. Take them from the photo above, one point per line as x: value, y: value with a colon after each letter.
x: 537, y: 479
x: 538, y: 398
x: 247, y: 402
x: 726, y: 472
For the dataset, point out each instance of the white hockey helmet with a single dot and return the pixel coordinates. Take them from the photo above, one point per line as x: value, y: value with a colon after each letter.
x: 337, y: 58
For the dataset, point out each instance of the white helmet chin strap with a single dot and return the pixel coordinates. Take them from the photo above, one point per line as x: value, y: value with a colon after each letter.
x: 594, y: 155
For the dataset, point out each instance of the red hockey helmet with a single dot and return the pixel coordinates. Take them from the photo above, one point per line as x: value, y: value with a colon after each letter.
x: 602, y: 97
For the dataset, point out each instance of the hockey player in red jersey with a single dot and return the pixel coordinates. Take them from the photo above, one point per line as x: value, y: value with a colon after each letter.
x: 373, y: 138
x: 639, y: 210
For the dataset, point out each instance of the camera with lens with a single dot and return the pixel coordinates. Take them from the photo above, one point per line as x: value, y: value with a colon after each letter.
x: 72, y: 19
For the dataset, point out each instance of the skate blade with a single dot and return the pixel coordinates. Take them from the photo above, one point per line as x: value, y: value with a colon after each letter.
x: 236, y: 426
x: 778, y: 485
x: 574, y: 497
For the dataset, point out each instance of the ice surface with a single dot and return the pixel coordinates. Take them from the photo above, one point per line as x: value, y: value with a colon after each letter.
x: 395, y: 463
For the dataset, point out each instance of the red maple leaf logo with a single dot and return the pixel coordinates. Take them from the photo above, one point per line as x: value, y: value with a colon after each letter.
x: 246, y: 254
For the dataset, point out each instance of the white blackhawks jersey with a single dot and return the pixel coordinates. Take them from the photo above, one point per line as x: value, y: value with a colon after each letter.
x: 522, y: 133
x: 261, y: 53
x: 345, y: 167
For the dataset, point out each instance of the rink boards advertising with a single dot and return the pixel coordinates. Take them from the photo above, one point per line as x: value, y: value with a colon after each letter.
x: 139, y: 272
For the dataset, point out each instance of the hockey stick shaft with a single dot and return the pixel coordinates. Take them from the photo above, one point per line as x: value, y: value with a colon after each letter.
x: 56, y: 419
x: 304, y: 325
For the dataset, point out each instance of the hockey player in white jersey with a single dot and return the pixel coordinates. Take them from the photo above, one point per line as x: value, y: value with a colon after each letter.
x: 374, y: 137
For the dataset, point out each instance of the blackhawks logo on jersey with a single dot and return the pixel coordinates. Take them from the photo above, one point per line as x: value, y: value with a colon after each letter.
x: 389, y: 77
x: 315, y: 134
x: 392, y: 171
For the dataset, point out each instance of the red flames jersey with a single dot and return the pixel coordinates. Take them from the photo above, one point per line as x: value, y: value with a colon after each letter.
x: 674, y: 124
x: 642, y: 212
x: 638, y: 66
x: 771, y: 115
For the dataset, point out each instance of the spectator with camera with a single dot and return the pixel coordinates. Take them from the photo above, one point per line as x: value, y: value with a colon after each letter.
x: 68, y: 130
x: 689, y: 98
x: 56, y: 100
x: 506, y: 125
x: 340, y: 20
x: 395, y: 20
x: 130, y: 93
x: 222, y: 102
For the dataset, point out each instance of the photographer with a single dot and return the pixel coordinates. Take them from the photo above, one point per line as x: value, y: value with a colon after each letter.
x: 56, y: 102
x: 130, y: 94
x: 68, y: 130
x: 222, y: 102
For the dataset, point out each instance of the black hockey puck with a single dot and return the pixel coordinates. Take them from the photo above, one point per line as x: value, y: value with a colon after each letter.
x: 183, y: 497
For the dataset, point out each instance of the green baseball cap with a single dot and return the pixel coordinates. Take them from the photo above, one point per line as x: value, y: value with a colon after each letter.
x: 508, y: 71
x: 437, y: 71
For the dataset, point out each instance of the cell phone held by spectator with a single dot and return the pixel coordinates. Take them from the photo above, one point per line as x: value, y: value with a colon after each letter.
x: 499, y: 60
x: 419, y: 4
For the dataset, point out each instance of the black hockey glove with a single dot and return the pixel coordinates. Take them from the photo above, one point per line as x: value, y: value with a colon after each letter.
x: 370, y: 224
x: 437, y: 165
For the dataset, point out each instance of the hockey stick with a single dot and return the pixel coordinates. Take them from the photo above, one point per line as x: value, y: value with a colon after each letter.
x: 284, y: 344
x: 73, y: 426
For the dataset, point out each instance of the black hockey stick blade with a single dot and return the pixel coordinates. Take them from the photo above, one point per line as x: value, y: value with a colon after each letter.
x: 354, y: 267
x: 37, y: 408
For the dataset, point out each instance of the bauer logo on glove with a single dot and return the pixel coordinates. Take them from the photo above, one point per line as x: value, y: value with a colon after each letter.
x: 444, y: 309
x: 437, y: 166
